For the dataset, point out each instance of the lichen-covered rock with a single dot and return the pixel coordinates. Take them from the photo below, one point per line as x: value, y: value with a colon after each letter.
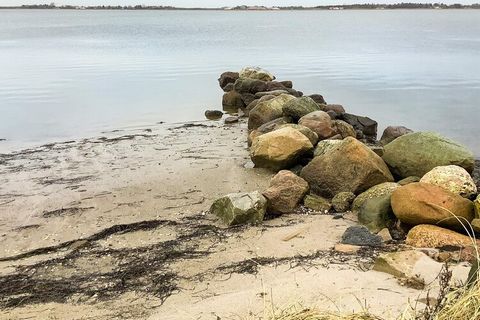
x: 297, y: 108
x: 476, y: 204
x: 240, y: 208
x: 376, y: 213
x: 393, y: 132
x: 317, y: 203
x: 232, y: 100
x: 312, y: 136
x: 343, y: 129
x: 379, y: 190
x: 342, y: 201
x: 256, y: 73
x: 319, y: 122
x: 422, y: 203
x: 268, y: 110
x: 349, y: 167
x: 324, y: 146
x: 414, y: 154
x: 429, y: 236
x: 279, y: 149
x: 452, y: 178
x: 285, y: 192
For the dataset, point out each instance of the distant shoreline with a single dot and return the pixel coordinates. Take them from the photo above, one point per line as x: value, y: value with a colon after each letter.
x: 397, y: 6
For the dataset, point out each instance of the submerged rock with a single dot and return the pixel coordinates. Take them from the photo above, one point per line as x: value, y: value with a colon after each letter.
x: 393, y: 132
x: 285, y: 192
x: 279, y: 149
x: 452, y: 178
x: 256, y: 73
x: 414, y: 154
x: 422, y: 203
x: 429, y: 236
x: 349, y: 167
x: 240, y: 208
x: 360, y: 236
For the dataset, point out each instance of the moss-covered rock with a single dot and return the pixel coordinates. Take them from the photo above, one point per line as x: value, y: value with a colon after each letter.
x: 240, y: 208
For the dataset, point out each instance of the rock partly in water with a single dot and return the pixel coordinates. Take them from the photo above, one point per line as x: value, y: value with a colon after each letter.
x: 299, y: 107
x: 317, y: 203
x: 376, y: 213
x: 342, y: 201
x: 319, y: 122
x: 422, y: 203
x: 232, y: 100
x: 393, y: 132
x: 268, y: 110
x: 349, y: 167
x: 256, y: 73
x: 429, y: 236
x: 279, y: 149
x: 365, y: 125
x: 213, y: 114
x: 227, y: 78
x: 240, y: 208
x: 285, y: 192
x: 452, y: 178
x: 360, y: 236
x: 414, y: 154
x: 376, y: 191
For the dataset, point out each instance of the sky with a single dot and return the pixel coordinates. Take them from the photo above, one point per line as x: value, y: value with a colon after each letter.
x: 216, y: 3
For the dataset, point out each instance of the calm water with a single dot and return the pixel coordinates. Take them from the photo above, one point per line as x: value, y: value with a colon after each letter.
x: 71, y: 74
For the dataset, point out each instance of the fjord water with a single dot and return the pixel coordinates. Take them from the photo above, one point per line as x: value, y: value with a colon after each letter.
x: 72, y: 74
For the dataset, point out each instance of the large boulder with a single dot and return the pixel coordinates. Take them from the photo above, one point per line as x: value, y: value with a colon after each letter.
x: 393, y: 132
x: 240, y: 208
x: 376, y: 213
x: 376, y: 191
x: 319, y: 122
x: 349, y: 167
x: 227, y: 78
x: 256, y: 73
x: 268, y: 110
x: 285, y: 192
x: 279, y: 149
x: 414, y: 154
x: 251, y: 86
x: 452, y: 178
x: 428, y: 236
x: 312, y: 136
x: 232, y: 100
x: 422, y: 203
x: 297, y: 108
x: 365, y: 125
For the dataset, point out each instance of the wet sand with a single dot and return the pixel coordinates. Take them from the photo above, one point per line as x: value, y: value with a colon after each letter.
x: 116, y: 227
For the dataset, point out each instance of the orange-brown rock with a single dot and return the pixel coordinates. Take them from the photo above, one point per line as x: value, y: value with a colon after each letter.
x: 422, y: 203
x: 429, y: 236
x: 319, y: 122
x: 285, y: 192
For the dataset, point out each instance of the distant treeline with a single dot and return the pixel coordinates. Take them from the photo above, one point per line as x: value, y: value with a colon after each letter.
x: 366, y: 6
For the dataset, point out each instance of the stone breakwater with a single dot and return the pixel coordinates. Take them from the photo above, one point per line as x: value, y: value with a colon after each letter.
x: 411, y: 187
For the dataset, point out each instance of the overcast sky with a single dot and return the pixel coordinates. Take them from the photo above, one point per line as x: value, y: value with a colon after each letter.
x: 217, y: 3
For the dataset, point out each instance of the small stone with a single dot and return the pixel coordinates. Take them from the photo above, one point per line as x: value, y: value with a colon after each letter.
x: 385, y: 235
x: 213, y: 114
x: 240, y: 208
x: 230, y: 120
x: 361, y: 236
x: 346, y: 248
x: 342, y: 201
x: 317, y: 203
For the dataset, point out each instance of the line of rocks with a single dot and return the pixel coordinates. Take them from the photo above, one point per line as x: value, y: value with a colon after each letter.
x: 412, y: 186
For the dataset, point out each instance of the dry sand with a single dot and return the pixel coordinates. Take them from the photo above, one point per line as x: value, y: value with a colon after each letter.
x: 116, y: 227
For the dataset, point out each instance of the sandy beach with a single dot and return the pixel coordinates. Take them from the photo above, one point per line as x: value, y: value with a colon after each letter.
x: 116, y: 227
